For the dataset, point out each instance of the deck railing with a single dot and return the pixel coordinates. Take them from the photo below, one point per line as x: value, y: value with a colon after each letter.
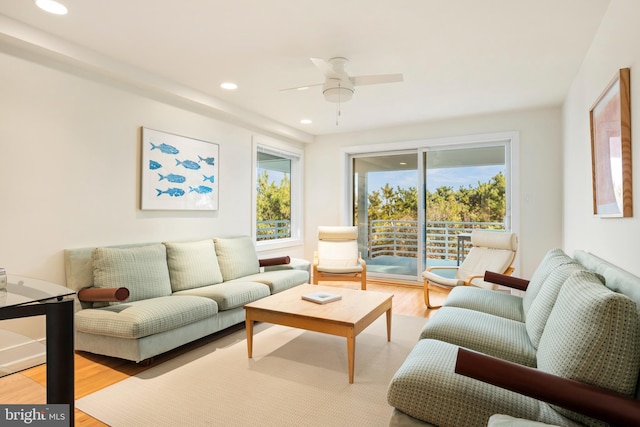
x: 271, y: 230
x: 444, y: 239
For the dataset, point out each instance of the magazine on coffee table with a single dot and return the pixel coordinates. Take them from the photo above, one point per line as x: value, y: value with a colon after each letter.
x: 321, y: 297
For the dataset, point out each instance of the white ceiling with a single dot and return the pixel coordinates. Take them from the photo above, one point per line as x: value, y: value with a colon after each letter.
x: 458, y: 57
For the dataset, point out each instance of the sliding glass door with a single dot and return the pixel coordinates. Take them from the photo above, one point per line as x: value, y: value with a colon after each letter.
x: 464, y: 189
x: 385, y: 209
x: 416, y: 208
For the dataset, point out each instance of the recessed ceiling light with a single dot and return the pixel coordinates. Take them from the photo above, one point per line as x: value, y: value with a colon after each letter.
x: 52, y: 6
x: 403, y: 163
x: 306, y: 121
x: 229, y: 86
x: 301, y: 88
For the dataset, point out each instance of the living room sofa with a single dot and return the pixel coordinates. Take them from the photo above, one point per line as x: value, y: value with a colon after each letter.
x: 578, y: 319
x: 178, y: 292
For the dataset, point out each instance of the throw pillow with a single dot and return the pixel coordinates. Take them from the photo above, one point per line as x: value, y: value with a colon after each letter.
x: 236, y: 256
x: 192, y: 264
x: 143, y: 270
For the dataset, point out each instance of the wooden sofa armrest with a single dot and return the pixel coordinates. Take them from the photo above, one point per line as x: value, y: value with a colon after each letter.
x: 103, y: 294
x: 506, y: 280
x: 267, y: 262
x: 595, y: 402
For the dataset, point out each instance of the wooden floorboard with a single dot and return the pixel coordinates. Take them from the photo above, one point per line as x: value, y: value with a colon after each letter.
x: 94, y: 372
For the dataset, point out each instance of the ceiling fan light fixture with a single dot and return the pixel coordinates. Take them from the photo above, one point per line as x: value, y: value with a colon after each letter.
x: 52, y: 6
x: 338, y: 94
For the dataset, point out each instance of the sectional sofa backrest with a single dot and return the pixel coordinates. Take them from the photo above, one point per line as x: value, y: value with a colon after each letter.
x: 616, y: 279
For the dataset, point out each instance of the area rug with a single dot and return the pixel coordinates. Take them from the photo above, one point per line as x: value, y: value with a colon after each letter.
x: 295, y: 378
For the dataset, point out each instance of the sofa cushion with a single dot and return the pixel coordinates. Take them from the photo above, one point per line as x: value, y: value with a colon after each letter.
x: 133, y: 320
x: 541, y: 306
x: 552, y: 259
x: 229, y: 295
x: 143, y: 270
x: 487, y: 301
x: 192, y: 264
x: 592, y: 336
x: 237, y: 257
x: 501, y: 420
x: 492, y: 335
x: 426, y: 387
x: 279, y: 280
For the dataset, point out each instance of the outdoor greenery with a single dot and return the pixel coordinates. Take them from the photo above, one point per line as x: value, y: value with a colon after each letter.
x: 273, y: 205
x: 484, y: 203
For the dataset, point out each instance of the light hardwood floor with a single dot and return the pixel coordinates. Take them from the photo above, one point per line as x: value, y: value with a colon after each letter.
x: 95, y: 372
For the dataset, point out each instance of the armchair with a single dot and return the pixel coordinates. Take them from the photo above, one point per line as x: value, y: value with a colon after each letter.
x: 491, y: 251
x: 337, y: 257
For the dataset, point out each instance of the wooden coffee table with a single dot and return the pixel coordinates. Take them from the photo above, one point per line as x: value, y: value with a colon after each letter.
x: 346, y: 318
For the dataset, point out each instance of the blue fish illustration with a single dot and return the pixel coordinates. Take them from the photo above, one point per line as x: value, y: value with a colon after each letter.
x: 154, y: 165
x: 172, y: 178
x: 208, y: 160
x: 201, y: 189
x: 165, y: 148
x: 208, y: 178
x: 189, y: 164
x: 173, y: 192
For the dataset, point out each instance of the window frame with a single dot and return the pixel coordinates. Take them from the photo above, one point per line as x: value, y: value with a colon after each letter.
x: 296, y: 156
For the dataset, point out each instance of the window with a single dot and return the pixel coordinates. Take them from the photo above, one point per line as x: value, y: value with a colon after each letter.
x: 277, y: 202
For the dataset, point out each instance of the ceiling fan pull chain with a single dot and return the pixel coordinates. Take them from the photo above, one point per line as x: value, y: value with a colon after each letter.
x: 338, y: 106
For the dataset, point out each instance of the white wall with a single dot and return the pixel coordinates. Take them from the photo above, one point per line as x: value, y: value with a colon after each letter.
x: 70, y: 169
x: 614, y: 46
x: 540, y: 160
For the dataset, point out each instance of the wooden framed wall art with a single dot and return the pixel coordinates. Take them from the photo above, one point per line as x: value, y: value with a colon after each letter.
x: 610, y: 119
x: 178, y: 173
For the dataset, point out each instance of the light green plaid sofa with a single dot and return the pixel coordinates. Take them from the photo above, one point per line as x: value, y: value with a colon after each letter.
x: 578, y: 319
x: 179, y: 292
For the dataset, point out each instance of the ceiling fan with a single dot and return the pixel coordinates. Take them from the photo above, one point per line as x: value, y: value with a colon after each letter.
x: 338, y: 86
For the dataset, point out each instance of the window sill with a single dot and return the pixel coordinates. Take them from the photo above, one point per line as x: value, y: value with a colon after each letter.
x: 277, y: 244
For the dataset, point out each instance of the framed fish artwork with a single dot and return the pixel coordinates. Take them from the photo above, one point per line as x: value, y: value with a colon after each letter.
x: 178, y: 173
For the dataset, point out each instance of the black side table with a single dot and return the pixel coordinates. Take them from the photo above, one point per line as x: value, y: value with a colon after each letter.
x: 26, y: 297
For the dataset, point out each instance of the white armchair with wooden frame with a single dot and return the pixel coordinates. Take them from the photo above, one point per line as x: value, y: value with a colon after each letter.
x: 337, y: 257
x: 491, y: 251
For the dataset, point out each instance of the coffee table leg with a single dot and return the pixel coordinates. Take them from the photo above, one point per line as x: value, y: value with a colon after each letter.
x: 249, y: 327
x: 389, y: 325
x: 351, y: 353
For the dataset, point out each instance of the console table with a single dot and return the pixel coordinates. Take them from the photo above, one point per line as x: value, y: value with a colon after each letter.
x: 25, y: 297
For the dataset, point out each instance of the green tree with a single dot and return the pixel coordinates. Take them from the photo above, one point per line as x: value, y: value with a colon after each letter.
x: 273, y: 202
x: 485, y: 202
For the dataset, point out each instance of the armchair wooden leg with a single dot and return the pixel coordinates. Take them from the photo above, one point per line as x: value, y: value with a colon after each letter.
x: 363, y: 283
x: 427, y: 302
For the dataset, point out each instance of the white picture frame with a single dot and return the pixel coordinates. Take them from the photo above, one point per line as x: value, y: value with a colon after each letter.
x: 178, y: 173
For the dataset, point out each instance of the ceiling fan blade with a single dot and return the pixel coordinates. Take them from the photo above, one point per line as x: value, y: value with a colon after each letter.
x: 305, y: 87
x: 376, y: 79
x: 325, y: 68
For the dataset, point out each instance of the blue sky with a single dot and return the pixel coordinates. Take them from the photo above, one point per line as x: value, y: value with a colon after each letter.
x: 451, y: 177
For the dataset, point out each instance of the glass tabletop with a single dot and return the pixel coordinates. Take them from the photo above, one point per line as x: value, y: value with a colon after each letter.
x: 26, y: 290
